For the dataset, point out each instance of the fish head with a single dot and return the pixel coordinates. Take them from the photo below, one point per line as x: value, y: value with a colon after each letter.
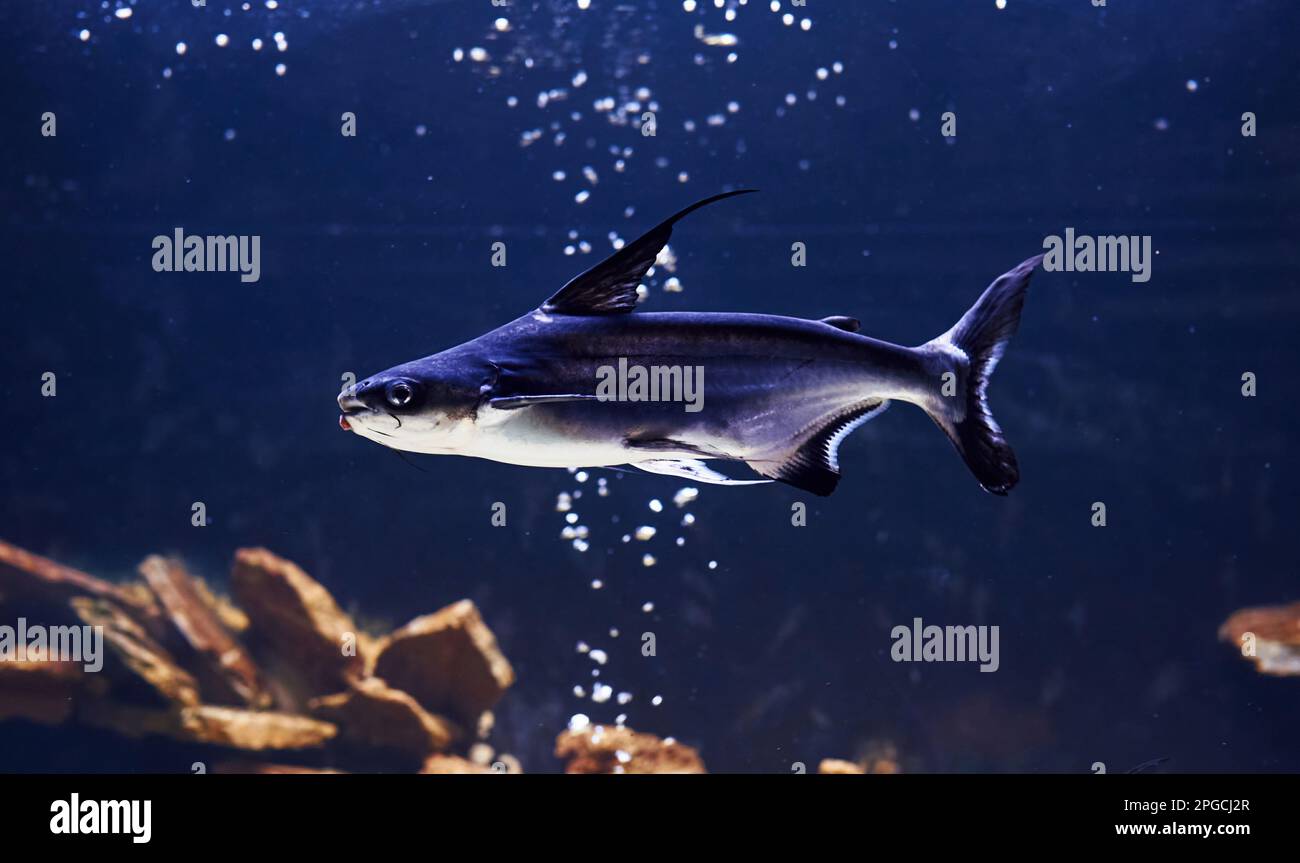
x: 428, y: 405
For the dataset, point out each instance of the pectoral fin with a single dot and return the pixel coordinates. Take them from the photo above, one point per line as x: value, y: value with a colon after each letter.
x: 514, y: 385
x: 506, y: 403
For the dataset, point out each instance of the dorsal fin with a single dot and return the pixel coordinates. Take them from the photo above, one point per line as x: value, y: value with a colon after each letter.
x: 843, y: 322
x: 609, y: 288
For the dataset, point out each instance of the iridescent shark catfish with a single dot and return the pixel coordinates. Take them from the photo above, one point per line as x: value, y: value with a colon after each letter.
x: 781, y: 394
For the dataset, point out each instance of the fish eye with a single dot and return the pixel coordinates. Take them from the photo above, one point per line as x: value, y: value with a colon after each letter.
x: 400, y: 394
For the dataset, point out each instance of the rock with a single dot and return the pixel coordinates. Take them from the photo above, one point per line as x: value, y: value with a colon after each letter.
x: 24, y: 575
x: 869, y: 764
x: 373, y: 714
x: 883, y: 765
x: 252, y: 767
x: 449, y: 661
x: 171, y: 647
x: 452, y: 764
x: 880, y: 756
x: 610, y: 749
x: 313, y: 642
x: 136, y: 663
x: 253, y: 730
x: 39, y: 690
x: 233, y: 727
x: 130, y: 720
x: 225, y: 667
x: 1269, y: 636
x: 484, y: 755
x: 231, y: 617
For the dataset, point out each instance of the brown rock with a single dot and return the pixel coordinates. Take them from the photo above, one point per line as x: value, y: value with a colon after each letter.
x: 138, y: 659
x: 869, y: 764
x: 610, y: 749
x: 374, y: 714
x: 449, y: 661
x: 43, y: 707
x: 264, y: 769
x: 452, y: 764
x: 39, y: 690
x: 225, y: 666
x: 1275, y: 646
x: 130, y: 720
x: 298, y: 622
x: 234, y: 727
x: 231, y: 617
x: 880, y: 756
x: 253, y: 729
x: 30, y: 576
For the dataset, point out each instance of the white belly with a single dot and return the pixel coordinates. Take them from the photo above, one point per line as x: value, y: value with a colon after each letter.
x: 509, y: 436
x: 514, y: 437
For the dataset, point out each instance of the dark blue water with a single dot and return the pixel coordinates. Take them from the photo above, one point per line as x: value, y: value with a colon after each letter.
x: 375, y: 249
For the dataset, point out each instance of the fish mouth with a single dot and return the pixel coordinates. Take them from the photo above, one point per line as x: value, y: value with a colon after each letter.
x: 351, y: 406
x: 369, y: 420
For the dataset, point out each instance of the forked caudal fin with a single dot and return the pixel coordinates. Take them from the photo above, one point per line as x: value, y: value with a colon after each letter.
x: 973, y: 346
x: 969, y: 351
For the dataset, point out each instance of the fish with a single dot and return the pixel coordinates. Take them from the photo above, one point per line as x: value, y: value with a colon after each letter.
x: 557, y: 387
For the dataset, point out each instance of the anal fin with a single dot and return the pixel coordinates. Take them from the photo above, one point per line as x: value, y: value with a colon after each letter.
x: 814, y: 464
